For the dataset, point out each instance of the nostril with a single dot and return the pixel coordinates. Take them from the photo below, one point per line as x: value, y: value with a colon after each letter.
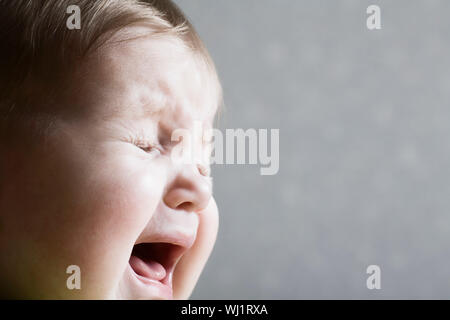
x: 190, y: 192
x: 187, y: 206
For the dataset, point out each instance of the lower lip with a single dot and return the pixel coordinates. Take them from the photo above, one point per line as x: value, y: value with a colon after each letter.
x: 164, y: 291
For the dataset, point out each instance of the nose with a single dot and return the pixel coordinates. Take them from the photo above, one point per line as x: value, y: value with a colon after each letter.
x: 190, y: 190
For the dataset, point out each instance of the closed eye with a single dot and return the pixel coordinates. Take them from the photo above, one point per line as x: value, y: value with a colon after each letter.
x: 153, y: 150
x: 147, y: 147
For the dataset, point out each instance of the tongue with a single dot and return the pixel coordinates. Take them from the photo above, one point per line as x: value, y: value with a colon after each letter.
x: 149, y: 269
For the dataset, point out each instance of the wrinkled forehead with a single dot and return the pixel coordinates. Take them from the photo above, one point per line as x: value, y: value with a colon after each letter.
x: 150, y: 75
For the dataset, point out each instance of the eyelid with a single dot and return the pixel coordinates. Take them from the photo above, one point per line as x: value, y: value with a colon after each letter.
x: 149, y: 147
x: 145, y: 145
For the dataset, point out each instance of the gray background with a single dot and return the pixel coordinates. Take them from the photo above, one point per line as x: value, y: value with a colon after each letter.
x: 364, y: 156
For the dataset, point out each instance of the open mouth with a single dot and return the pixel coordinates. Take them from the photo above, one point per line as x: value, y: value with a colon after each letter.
x: 154, y: 263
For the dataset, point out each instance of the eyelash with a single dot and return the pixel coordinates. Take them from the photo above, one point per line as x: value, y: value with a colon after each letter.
x: 148, y: 148
x: 145, y: 146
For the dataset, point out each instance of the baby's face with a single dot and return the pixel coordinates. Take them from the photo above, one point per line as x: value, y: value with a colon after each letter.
x: 102, y: 188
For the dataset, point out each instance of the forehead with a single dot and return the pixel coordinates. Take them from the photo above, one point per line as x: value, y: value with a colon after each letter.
x: 148, y: 76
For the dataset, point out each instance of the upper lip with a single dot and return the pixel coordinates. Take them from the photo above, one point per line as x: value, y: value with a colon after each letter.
x: 183, y: 240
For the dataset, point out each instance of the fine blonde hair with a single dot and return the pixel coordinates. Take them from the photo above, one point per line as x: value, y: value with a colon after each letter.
x: 39, y: 51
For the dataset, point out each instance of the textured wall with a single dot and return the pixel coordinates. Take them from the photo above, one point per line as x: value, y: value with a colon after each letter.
x: 364, y: 155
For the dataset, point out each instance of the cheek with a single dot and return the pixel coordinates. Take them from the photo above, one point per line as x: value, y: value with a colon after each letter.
x: 191, y: 264
x: 89, y: 211
x: 126, y: 195
x: 119, y: 203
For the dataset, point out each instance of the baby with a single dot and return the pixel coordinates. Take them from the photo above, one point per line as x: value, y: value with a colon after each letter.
x: 92, y: 203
